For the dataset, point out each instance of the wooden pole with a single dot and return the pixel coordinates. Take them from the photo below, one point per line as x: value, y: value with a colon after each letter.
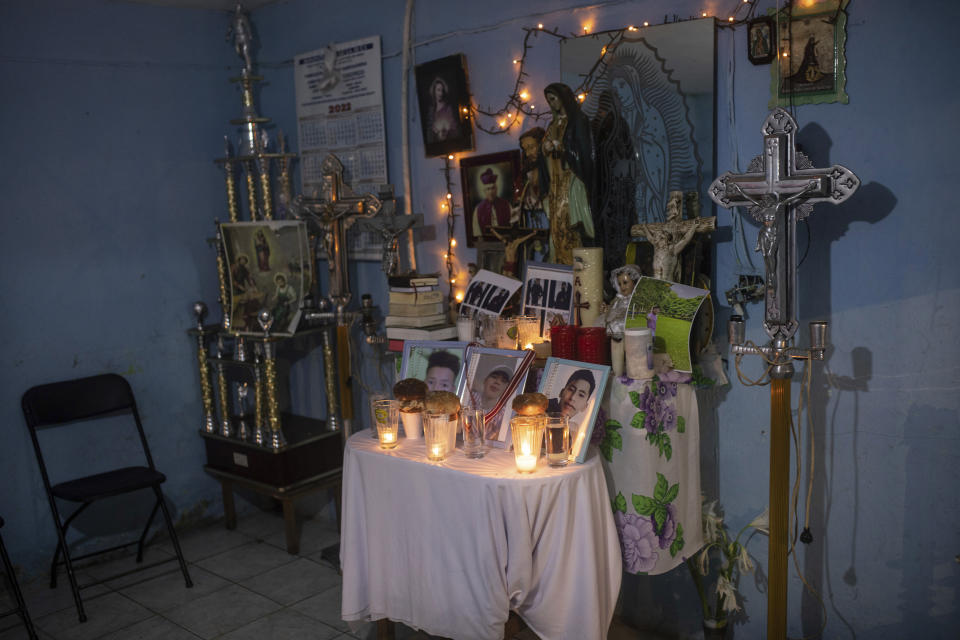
x: 779, y: 506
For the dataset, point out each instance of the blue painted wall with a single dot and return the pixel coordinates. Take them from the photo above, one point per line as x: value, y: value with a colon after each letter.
x: 116, y: 112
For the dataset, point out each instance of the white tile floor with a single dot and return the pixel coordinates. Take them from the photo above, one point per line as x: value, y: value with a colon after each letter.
x: 246, y: 587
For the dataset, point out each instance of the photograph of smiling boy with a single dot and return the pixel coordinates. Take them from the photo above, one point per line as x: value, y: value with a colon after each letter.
x: 575, y: 399
x: 437, y: 363
x: 442, y: 370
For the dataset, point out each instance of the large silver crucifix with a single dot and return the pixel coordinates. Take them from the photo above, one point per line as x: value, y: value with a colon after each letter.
x: 780, y: 187
x: 334, y: 211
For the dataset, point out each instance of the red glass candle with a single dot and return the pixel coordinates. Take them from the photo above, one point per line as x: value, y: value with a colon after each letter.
x: 592, y: 345
x: 563, y: 341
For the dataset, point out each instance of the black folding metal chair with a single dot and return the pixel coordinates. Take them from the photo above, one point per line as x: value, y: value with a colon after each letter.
x: 21, y: 608
x: 67, y: 403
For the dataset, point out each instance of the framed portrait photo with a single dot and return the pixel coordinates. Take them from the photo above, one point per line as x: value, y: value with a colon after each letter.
x: 438, y: 363
x: 268, y: 267
x: 490, y: 184
x: 492, y: 378
x: 814, y: 69
x: 444, y: 97
x: 761, y: 45
x: 576, y: 390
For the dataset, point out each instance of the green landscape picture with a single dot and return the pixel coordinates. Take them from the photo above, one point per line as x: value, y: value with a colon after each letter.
x: 668, y: 309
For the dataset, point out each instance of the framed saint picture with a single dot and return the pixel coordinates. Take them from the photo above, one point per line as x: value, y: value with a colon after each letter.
x: 813, y: 70
x: 444, y: 97
x: 761, y: 47
x: 548, y: 294
x: 438, y: 363
x: 575, y: 389
x: 268, y: 267
x: 492, y: 378
x: 490, y: 186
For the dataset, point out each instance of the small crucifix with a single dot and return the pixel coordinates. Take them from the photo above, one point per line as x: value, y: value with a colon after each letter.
x: 334, y: 211
x: 780, y: 187
x: 670, y: 238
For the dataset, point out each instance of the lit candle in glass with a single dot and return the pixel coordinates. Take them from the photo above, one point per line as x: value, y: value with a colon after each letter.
x: 527, y: 433
x: 435, y: 434
x: 386, y: 414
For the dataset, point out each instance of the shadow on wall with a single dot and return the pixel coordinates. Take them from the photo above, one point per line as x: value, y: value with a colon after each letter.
x: 826, y: 225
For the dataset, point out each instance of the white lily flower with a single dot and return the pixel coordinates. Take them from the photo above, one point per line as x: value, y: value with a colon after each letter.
x: 710, y: 521
x: 744, y: 564
x: 725, y: 589
x: 703, y: 561
x: 762, y: 522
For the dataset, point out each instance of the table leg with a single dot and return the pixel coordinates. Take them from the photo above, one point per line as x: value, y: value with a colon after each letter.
x: 229, y: 511
x: 290, y: 526
x: 386, y: 629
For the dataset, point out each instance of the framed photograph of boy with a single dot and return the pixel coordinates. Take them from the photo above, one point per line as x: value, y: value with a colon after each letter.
x: 548, y: 294
x: 444, y: 98
x: 437, y: 363
x: 268, y: 267
x: 490, y: 185
x: 575, y: 389
x: 492, y: 378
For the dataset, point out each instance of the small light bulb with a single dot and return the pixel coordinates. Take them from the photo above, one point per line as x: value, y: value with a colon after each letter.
x: 586, y: 29
x: 631, y: 28
x: 784, y: 54
x: 453, y: 242
x: 540, y: 24
x: 459, y: 296
x: 450, y: 157
x: 581, y: 97
x: 703, y: 15
x: 453, y: 281
x: 515, y: 61
x: 465, y: 110
x: 503, y: 123
x: 730, y: 19
x: 524, y: 95
x: 646, y: 24
x: 603, y: 51
x: 444, y: 256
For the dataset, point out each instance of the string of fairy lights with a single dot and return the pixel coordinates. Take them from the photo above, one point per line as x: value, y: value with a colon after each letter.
x: 519, y: 105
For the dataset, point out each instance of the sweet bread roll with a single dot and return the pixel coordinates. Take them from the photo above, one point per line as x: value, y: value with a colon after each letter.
x: 410, y: 393
x: 443, y: 402
x: 530, y: 404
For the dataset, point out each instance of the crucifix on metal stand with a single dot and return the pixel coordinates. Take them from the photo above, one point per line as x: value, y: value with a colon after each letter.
x: 332, y: 214
x: 780, y: 187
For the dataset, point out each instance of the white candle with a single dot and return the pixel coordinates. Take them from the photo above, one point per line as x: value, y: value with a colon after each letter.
x: 526, y: 462
x: 387, y: 437
x: 436, y: 451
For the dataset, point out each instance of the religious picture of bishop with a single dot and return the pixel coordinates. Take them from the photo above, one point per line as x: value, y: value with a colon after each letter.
x: 490, y: 189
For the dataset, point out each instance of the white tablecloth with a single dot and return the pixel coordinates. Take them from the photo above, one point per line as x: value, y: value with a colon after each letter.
x: 452, y: 547
x: 651, y: 442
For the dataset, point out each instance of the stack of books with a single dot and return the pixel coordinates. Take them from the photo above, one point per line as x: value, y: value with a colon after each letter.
x: 417, y: 309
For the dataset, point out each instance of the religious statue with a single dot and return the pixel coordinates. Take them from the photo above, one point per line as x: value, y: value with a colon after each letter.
x: 566, y: 173
x: 242, y: 36
x: 670, y: 238
x: 623, y: 279
x: 510, y: 248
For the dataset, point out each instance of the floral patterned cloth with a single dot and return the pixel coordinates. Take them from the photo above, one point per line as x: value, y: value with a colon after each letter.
x: 650, y: 443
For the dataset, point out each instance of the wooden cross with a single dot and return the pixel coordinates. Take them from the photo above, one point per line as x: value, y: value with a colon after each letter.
x: 780, y: 187
x: 334, y: 211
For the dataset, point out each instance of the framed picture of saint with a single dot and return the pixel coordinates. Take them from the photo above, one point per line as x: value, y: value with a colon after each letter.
x: 490, y: 186
x: 268, y: 267
x: 444, y: 98
x: 760, y: 41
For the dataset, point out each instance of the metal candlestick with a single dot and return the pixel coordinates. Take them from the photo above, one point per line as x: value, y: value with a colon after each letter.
x: 209, y: 424
x: 276, y: 441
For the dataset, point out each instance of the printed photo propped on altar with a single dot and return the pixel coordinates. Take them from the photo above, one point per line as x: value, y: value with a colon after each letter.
x: 575, y: 389
x: 268, y: 267
x: 492, y: 378
x: 488, y: 293
x: 548, y: 294
x: 668, y: 310
x: 438, y: 363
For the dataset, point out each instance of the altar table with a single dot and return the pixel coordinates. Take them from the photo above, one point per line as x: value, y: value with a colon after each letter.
x: 452, y: 547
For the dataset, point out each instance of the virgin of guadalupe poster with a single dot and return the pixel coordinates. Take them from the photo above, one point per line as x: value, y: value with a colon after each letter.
x: 651, y: 107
